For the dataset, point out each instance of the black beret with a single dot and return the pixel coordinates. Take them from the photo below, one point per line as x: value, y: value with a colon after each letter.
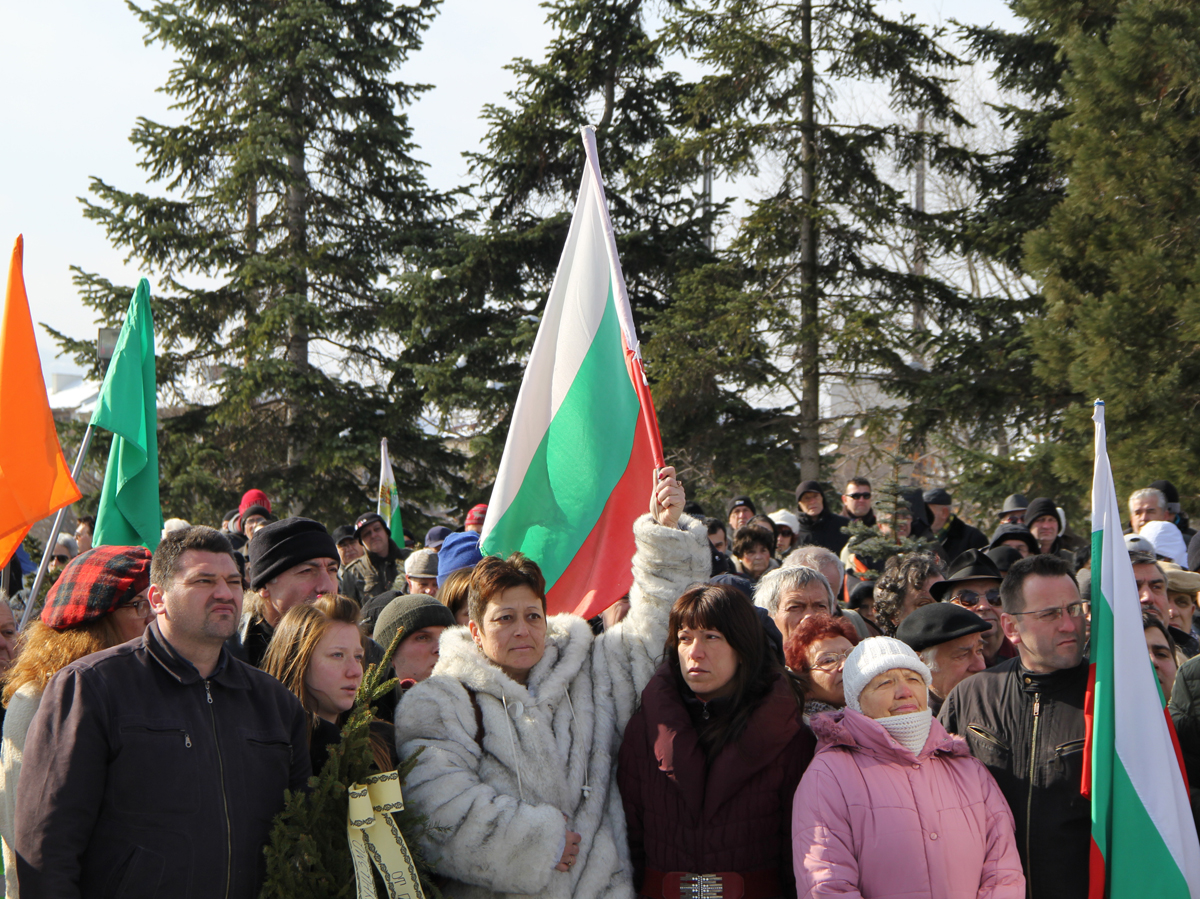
x: 345, y: 532
x: 284, y: 544
x: 937, y: 623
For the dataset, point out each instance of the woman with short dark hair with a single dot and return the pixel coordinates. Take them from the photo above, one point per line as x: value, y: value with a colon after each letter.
x: 710, y: 761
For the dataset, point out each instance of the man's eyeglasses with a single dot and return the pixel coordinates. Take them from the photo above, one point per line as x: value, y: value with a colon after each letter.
x: 1074, y: 610
x: 63, y: 559
x: 827, y: 661
x: 866, y: 495
x: 969, y: 598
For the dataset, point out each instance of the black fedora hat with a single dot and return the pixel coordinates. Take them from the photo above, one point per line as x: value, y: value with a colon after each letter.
x: 973, y: 565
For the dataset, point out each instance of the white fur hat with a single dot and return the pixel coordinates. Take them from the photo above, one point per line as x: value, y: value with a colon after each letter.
x: 874, y: 656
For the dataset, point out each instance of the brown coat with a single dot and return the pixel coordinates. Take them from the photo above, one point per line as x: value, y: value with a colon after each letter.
x: 731, y: 814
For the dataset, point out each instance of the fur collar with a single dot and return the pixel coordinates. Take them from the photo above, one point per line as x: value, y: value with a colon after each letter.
x: 568, y: 646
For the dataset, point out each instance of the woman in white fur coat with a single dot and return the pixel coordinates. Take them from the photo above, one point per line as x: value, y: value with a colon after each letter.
x: 519, y: 739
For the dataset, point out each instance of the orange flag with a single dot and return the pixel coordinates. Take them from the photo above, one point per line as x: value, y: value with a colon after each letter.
x: 35, y: 480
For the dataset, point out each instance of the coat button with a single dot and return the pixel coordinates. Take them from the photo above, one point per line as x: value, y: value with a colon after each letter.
x: 933, y: 836
x: 917, y: 765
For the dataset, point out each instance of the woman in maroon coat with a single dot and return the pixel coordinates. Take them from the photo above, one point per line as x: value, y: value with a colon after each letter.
x: 712, y: 757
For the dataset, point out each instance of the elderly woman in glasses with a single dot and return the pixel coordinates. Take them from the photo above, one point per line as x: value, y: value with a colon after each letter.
x: 894, y: 806
x: 816, y: 650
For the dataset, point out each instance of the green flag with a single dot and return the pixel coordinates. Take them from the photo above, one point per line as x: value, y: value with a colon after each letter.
x: 130, y: 513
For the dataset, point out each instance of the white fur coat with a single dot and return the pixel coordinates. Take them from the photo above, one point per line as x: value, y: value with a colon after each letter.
x: 12, y: 751
x: 498, y: 812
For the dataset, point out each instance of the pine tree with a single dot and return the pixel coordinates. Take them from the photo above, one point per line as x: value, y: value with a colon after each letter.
x: 289, y: 196
x: 808, y: 250
x: 1117, y: 257
x: 477, y: 311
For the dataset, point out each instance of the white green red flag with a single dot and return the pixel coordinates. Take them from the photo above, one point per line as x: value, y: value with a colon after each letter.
x: 389, y: 497
x: 1143, y: 836
x: 582, y: 450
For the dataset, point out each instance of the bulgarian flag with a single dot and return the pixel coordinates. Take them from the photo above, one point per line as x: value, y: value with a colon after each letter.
x: 1143, y: 836
x: 581, y: 453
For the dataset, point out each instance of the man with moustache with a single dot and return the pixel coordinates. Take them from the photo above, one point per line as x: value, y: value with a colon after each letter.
x: 1024, y: 720
x: 155, y: 768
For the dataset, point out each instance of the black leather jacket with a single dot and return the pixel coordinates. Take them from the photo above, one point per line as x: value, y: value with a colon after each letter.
x: 1029, y: 730
x: 142, y: 779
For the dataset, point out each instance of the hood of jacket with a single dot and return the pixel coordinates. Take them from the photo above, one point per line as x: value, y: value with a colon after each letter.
x: 567, y: 651
x: 848, y: 729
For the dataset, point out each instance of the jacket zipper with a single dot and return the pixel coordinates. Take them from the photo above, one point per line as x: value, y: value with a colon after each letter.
x: 224, y: 799
x: 1037, y: 710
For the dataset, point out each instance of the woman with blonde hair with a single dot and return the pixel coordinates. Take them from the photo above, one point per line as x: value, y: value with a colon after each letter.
x: 317, y: 652
x: 98, y: 601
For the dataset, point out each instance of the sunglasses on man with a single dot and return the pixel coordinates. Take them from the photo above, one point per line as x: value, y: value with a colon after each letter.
x: 968, y: 599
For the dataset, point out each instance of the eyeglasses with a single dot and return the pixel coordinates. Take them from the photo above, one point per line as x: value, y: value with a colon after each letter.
x: 970, y: 599
x: 827, y: 661
x: 1074, y: 609
x: 866, y: 495
x: 63, y: 559
x: 139, y: 605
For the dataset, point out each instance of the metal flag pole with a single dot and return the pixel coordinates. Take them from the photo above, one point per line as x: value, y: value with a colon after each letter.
x: 53, y: 538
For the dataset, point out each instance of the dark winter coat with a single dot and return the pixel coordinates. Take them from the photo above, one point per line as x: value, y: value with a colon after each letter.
x: 956, y: 537
x: 369, y: 575
x: 142, y: 779
x: 685, y: 813
x: 823, y: 530
x: 1185, y: 713
x: 1016, y: 721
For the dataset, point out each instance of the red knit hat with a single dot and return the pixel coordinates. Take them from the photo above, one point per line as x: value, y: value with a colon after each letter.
x: 476, y: 514
x: 253, y: 498
x: 94, y: 583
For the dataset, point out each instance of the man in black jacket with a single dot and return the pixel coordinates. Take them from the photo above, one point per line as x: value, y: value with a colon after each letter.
x: 1024, y: 720
x: 954, y: 534
x: 155, y: 768
x: 817, y: 524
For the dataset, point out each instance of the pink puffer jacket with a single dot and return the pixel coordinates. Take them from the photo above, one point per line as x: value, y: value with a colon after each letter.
x: 871, y: 819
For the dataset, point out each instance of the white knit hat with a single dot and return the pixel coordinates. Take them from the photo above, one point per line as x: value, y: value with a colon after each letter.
x: 874, y: 656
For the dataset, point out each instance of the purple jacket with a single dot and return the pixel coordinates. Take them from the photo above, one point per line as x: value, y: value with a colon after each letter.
x: 871, y: 819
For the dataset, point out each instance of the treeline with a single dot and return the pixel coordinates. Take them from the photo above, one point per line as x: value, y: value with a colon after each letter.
x: 314, y: 293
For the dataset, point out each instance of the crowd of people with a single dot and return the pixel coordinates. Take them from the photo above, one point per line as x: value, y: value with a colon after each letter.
x: 767, y: 713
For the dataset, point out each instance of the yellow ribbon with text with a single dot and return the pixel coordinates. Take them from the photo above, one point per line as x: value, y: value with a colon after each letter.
x: 375, y: 839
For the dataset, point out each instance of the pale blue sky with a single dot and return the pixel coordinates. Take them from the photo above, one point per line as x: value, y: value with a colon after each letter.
x: 76, y: 76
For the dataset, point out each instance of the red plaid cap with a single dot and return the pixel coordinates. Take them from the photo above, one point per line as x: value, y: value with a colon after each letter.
x: 96, y: 582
